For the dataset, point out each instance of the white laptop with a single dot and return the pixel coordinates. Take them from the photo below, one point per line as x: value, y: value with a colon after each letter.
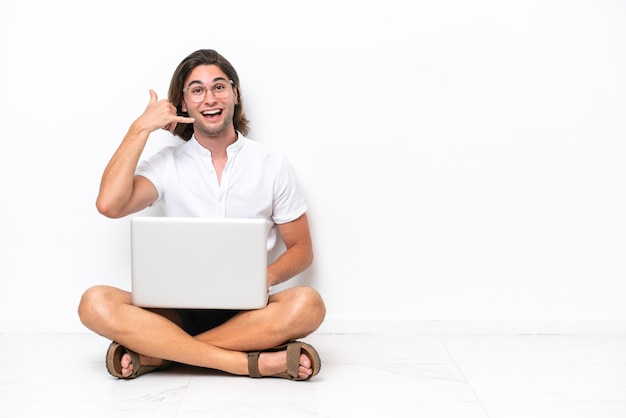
x: 199, y: 263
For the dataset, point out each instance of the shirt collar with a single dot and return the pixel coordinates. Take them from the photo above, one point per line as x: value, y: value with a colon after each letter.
x: 232, y: 149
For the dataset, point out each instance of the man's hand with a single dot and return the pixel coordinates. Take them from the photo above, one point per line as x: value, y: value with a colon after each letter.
x: 160, y: 114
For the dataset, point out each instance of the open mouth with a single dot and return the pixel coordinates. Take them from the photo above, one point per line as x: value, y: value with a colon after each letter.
x: 212, y: 113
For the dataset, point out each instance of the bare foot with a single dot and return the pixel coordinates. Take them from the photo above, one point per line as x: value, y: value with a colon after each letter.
x: 271, y: 363
x: 127, y: 364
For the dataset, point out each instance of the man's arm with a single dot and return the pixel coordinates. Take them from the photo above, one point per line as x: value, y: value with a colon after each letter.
x: 121, y: 192
x: 299, y: 254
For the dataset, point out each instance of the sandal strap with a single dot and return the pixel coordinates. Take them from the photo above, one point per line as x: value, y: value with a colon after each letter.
x: 253, y: 364
x: 293, y: 359
x: 294, y: 349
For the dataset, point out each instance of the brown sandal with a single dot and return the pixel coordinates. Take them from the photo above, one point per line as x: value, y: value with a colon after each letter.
x: 114, y: 365
x: 294, y: 349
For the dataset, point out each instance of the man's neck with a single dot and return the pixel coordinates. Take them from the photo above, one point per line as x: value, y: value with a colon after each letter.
x: 219, y: 143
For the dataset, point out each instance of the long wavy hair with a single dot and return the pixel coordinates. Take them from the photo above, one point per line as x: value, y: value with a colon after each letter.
x: 175, y: 93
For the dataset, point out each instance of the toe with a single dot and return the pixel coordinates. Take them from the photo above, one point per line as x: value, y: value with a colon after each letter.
x: 304, y: 373
x: 126, y: 361
x: 127, y: 365
x: 305, y: 370
x: 305, y: 361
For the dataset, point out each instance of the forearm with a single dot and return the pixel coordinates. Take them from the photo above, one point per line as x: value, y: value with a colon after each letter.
x: 292, y: 262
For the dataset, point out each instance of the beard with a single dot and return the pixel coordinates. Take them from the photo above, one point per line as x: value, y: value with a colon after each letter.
x: 211, y: 129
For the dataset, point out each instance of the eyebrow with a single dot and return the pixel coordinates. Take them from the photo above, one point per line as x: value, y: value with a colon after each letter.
x: 191, y: 83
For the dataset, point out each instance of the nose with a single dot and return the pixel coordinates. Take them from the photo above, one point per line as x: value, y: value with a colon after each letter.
x: 209, y: 96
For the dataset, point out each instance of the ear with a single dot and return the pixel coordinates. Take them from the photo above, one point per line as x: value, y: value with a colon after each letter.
x: 183, y: 106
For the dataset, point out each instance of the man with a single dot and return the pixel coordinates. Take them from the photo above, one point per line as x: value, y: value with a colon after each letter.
x: 205, y: 108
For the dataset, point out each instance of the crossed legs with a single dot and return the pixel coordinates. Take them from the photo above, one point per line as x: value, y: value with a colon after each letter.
x: 291, y: 314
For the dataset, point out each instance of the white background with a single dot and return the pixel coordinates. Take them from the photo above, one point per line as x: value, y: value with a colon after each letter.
x: 462, y: 160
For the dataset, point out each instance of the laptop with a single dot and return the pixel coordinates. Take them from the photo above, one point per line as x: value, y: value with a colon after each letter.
x: 199, y: 263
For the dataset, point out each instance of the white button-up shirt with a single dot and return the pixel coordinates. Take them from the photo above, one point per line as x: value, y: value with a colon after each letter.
x: 256, y: 183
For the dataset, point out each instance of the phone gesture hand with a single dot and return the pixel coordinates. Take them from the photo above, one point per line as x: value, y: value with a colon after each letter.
x: 161, y: 114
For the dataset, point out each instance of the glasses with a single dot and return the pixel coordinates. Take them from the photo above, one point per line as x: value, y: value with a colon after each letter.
x: 219, y: 89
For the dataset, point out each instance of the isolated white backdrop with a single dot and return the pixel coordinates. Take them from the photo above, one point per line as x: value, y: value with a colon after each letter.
x: 462, y: 160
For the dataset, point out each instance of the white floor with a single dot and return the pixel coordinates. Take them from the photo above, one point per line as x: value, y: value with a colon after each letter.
x: 63, y: 375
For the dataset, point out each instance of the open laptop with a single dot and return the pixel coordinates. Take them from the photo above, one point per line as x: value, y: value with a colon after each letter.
x: 199, y: 263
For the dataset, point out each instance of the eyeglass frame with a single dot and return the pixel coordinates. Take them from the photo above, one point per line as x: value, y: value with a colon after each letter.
x: 207, y: 88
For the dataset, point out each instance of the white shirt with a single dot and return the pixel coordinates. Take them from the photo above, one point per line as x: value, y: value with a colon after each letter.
x: 256, y: 183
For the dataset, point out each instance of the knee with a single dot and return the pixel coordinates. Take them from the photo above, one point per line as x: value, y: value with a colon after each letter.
x: 94, y: 306
x: 309, y: 306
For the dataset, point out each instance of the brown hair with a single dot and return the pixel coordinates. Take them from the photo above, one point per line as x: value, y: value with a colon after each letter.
x: 175, y: 94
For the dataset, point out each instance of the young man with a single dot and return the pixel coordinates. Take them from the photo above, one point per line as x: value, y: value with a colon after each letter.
x: 217, y: 172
